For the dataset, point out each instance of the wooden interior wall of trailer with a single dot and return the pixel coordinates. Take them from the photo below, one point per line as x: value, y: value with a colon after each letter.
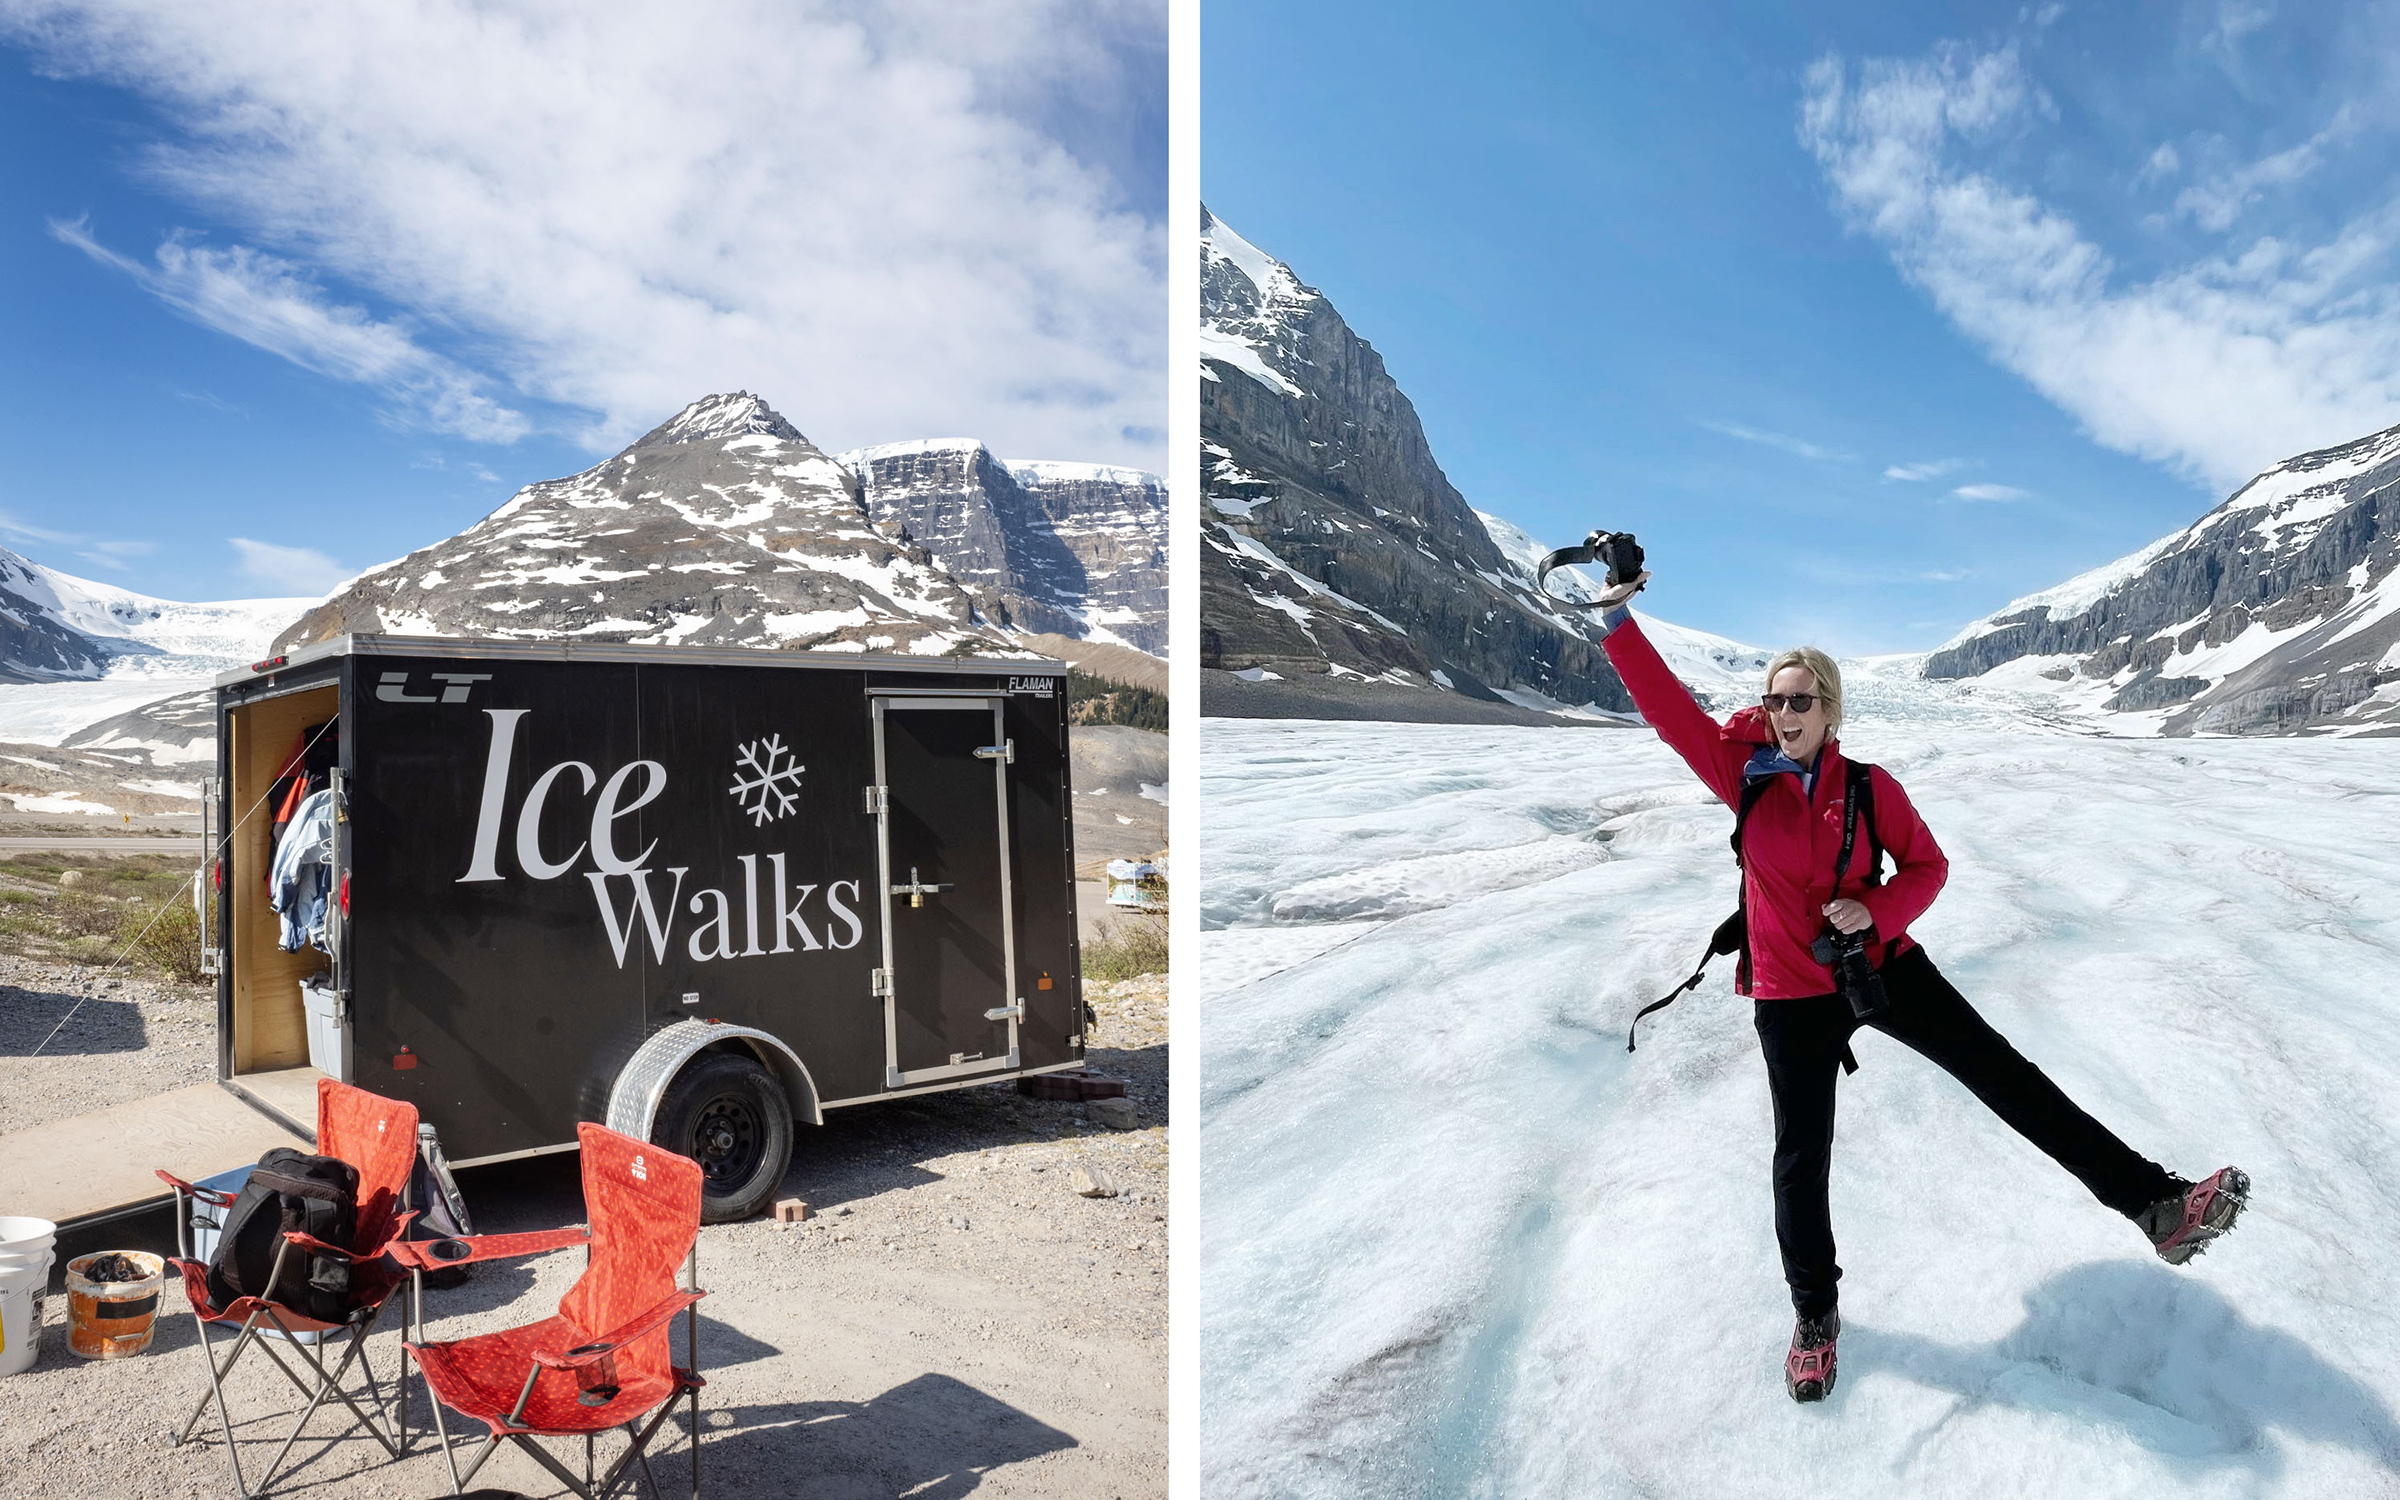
x: 270, y: 1030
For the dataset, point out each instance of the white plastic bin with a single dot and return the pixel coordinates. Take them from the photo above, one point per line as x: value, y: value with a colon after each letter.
x: 324, y: 1009
x: 208, y: 1224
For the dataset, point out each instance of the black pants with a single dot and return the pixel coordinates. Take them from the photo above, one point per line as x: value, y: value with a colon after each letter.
x: 1803, y: 1042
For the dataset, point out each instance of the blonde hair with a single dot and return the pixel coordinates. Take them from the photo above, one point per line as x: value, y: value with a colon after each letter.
x: 1828, y: 682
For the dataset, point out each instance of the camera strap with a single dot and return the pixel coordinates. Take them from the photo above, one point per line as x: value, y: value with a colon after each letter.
x: 1733, y: 934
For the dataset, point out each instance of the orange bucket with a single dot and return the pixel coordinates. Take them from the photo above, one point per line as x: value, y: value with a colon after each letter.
x: 113, y: 1319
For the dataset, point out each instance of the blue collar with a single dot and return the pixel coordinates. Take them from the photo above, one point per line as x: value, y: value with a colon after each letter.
x: 1768, y: 760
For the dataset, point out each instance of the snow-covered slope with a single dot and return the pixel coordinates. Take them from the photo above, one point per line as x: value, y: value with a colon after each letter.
x: 130, y: 632
x: 2277, y: 612
x: 73, y: 651
x: 1459, y: 1243
x: 723, y: 526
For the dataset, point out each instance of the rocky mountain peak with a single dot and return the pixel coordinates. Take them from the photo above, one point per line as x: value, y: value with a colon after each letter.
x: 2278, y: 612
x: 714, y: 418
x: 1335, y: 549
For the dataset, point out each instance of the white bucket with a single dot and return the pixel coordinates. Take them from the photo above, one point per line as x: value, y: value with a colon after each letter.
x: 21, y: 1315
x: 24, y: 1242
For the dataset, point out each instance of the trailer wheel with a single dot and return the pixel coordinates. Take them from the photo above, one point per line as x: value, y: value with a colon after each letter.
x: 728, y: 1114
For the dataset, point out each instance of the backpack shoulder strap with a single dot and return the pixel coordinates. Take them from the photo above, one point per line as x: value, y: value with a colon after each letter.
x: 1862, y: 783
x: 1753, y: 788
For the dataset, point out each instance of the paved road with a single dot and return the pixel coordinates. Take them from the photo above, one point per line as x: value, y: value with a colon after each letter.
x: 125, y: 844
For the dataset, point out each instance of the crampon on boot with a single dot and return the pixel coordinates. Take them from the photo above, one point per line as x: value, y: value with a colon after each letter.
x: 2186, y: 1224
x: 1808, y: 1367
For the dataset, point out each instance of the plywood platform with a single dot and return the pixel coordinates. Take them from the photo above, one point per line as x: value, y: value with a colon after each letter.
x: 91, y: 1166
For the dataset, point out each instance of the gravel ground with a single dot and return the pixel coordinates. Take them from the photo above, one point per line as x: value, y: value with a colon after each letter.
x: 130, y: 1036
x: 955, y: 1317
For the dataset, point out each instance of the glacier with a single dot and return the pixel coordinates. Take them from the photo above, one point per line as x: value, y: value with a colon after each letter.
x: 1457, y: 1242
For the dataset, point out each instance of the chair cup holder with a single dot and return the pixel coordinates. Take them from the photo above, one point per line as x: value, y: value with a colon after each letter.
x: 596, y: 1383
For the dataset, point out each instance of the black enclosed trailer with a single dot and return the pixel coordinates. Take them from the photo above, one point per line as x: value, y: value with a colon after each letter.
x: 693, y: 894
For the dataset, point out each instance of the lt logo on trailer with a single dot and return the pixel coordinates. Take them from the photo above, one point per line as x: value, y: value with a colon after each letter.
x: 394, y: 687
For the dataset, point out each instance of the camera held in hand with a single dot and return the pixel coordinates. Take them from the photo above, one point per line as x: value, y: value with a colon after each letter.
x: 1618, y: 549
x: 1853, y: 973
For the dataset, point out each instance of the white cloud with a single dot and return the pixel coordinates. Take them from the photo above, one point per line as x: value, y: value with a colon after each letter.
x: 2217, y: 368
x: 1998, y: 492
x: 1934, y: 470
x: 113, y: 554
x: 295, y: 570
x: 265, y: 301
x: 1773, y: 440
x: 858, y: 208
x: 17, y: 530
x: 2215, y: 203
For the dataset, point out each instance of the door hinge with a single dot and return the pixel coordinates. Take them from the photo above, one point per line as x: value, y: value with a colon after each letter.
x: 882, y: 982
x: 1006, y: 750
x: 1014, y: 1012
x: 879, y: 799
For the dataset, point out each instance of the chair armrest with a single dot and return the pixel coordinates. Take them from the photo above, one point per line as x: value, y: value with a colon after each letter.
x: 417, y: 1254
x: 623, y: 1334
x: 217, y: 1196
x: 310, y: 1242
x: 315, y: 1246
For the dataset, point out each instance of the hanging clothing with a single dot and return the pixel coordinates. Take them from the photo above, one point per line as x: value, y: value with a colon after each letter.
x: 301, y: 877
x: 309, y: 768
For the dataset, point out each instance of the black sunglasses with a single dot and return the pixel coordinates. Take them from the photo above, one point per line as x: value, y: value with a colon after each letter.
x: 1799, y: 703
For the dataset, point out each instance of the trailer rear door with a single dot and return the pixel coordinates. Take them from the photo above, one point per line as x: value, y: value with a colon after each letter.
x: 949, y: 922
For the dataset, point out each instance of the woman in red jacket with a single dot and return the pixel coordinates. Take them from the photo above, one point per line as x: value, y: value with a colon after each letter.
x: 1791, y: 845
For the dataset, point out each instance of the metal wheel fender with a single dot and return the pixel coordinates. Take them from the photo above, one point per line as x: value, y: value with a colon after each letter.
x: 633, y: 1101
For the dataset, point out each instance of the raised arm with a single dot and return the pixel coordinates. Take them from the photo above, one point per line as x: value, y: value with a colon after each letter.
x: 1672, y: 710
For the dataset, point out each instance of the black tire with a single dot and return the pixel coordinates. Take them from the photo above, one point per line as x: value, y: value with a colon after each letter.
x: 728, y: 1114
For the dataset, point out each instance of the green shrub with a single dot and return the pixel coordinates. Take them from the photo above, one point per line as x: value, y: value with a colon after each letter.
x: 1127, y: 946
x: 171, y: 942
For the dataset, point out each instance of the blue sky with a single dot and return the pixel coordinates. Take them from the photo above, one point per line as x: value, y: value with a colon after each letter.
x: 286, y: 291
x: 1866, y: 320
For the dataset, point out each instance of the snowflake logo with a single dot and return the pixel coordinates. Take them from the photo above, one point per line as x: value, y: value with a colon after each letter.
x: 764, y: 781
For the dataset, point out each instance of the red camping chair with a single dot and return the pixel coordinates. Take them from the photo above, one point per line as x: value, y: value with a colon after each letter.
x: 606, y: 1360
x: 378, y: 1136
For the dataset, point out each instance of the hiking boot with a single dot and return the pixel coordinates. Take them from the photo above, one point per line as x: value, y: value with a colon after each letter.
x: 2184, y: 1225
x: 1808, y: 1367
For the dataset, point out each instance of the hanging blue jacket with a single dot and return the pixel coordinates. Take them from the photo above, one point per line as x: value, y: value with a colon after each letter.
x: 302, y: 876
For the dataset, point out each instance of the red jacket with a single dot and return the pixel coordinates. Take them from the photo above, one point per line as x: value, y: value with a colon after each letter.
x: 1792, y: 840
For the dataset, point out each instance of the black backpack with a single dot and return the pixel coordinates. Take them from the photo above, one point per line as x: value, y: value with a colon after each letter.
x: 289, y: 1189
x: 1733, y: 934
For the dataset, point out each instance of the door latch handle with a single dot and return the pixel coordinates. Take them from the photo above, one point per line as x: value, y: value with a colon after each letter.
x: 1014, y: 1012
x: 917, y: 890
x: 1006, y: 750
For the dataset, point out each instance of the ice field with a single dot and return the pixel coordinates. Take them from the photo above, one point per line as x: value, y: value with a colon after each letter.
x: 1457, y: 1242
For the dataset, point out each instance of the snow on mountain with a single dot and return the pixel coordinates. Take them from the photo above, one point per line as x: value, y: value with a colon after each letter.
x: 73, y: 651
x: 725, y: 526
x: 1458, y: 1242
x: 721, y: 526
x: 2275, y: 613
x: 1072, y: 548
